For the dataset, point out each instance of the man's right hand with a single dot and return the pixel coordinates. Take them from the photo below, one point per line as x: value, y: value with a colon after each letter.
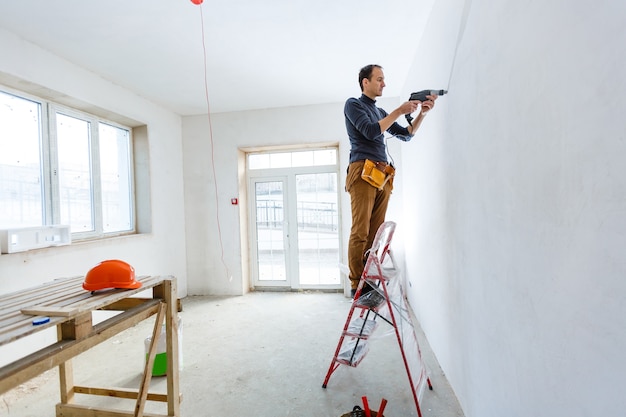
x: 409, y: 107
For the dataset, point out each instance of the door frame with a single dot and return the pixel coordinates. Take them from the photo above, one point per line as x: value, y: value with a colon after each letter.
x: 288, y: 175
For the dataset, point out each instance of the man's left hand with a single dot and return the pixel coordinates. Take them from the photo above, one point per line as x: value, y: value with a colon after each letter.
x: 428, y: 104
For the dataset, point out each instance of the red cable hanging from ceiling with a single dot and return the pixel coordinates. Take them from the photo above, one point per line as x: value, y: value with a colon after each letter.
x: 208, y: 105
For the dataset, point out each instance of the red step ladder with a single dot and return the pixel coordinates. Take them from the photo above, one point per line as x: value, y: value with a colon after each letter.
x: 385, y: 301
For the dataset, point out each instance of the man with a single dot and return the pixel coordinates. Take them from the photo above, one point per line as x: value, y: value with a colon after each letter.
x: 366, y: 125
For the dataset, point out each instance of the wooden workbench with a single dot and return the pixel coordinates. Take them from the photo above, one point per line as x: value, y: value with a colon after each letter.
x: 69, y: 308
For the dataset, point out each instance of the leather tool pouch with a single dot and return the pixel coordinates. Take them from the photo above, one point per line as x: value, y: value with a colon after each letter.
x: 358, y: 412
x: 377, y: 173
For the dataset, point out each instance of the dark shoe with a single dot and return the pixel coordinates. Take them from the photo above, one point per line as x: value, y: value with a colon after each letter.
x: 372, y: 299
x: 364, y: 290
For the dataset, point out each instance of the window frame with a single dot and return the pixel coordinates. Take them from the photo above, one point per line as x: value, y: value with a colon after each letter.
x: 49, y: 165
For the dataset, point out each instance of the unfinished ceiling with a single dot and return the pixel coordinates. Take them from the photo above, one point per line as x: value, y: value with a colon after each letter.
x: 257, y: 55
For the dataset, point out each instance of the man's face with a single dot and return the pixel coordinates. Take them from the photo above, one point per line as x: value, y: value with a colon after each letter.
x: 374, y: 86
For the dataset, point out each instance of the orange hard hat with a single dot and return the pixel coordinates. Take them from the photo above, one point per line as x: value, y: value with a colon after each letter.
x: 111, y: 274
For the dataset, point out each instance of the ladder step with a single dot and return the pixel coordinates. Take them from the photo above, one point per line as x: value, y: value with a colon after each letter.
x: 361, y: 327
x: 371, y: 300
x: 353, y: 352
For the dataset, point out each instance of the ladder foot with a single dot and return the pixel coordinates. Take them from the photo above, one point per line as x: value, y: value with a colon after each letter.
x: 324, y: 386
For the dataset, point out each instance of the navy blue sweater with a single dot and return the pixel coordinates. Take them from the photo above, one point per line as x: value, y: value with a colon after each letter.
x: 366, y: 139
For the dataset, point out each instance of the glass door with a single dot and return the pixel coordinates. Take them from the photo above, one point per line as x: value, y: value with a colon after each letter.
x: 270, y: 233
x: 318, y: 230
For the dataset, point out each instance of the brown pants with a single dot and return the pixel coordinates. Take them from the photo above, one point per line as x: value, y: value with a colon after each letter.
x: 369, y: 206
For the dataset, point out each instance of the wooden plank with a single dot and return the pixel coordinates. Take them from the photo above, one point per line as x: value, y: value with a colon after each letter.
x: 24, y: 327
x: 98, y: 300
x: 49, y: 311
x: 41, y: 294
x: 127, y: 303
x: 32, y: 365
x: 67, y: 292
x: 168, y: 290
x: 47, y: 286
x: 45, y: 295
x: 66, y: 376
x: 66, y: 382
x: 75, y: 410
x: 147, y: 373
x: 77, y: 328
x: 129, y: 394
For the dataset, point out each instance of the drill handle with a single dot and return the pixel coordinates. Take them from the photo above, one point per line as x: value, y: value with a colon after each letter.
x: 422, y: 96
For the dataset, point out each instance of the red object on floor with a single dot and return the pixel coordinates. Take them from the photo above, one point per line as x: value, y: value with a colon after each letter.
x: 366, y: 407
x: 383, y: 404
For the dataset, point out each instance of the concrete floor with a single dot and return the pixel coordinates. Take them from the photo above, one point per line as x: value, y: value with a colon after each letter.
x: 262, y: 354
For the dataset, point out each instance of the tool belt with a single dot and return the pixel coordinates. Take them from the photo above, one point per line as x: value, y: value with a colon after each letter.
x: 377, y: 173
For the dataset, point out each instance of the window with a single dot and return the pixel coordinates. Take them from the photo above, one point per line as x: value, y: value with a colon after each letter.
x: 79, y: 174
x: 292, y: 159
x: 73, y: 138
x: 115, y: 160
x: 21, y: 178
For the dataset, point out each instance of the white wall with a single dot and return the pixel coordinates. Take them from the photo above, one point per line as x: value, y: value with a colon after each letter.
x: 161, y: 251
x: 516, y: 219
x: 208, y: 272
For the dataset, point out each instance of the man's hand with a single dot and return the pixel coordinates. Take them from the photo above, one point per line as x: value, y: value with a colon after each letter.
x: 428, y: 104
x: 408, y: 107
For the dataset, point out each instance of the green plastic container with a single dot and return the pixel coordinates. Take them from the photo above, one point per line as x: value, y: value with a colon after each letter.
x: 160, y: 364
x: 160, y: 361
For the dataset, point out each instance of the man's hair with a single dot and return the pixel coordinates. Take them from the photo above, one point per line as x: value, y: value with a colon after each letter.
x: 366, y: 72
